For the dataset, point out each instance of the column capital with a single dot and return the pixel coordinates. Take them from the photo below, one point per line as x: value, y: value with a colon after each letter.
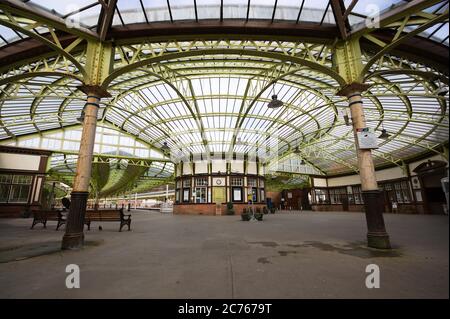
x: 94, y: 89
x: 351, y: 88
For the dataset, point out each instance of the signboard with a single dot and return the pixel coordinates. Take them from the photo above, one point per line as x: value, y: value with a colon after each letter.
x: 366, y: 139
x: 415, y: 182
x: 237, y: 194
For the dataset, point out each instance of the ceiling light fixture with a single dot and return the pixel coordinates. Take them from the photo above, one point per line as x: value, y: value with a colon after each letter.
x: 275, y: 103
x: 442, y: 91
x: 165, y: 148
x: 384, y: 134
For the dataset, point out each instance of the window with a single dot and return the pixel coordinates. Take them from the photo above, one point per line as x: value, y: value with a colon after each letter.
x: 398, y: 191
x: 254, y: 194
x: 200, y: 194
x: 187, y: 182
x: 262, y: 195
x: 418, y: 195
x: 337, y: 195
x: 237, y: 181
x: 320, y: 196
x: 357, y: 194
x: 5, y: 181
x: 201, y: 181
x: 251, y: 182
x: 405, y: 192
x: 15, y: 188
x: 186, y: 193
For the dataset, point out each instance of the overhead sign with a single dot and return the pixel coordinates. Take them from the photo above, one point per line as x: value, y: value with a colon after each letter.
x: 366, y: 138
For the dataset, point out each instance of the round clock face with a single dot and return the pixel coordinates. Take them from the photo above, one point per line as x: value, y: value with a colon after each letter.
x: 218, y: 181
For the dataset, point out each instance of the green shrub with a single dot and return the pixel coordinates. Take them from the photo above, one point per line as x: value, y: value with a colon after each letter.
x: 230, y: 208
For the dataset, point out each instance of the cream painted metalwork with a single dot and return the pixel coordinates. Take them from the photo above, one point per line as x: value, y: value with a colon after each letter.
x: 207, y: 94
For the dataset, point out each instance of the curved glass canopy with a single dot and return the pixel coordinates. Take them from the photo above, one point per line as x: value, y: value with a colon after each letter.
x: 204, y: 94
x: 88, y: 13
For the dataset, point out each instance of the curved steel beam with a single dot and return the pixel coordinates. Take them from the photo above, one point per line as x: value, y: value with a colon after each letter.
x: 48, y: 43
x: 184, y: 54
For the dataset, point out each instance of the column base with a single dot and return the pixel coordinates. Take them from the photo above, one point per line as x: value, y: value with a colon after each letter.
x: 378, y: 241
x: 74, y: 236
x: 377, y: 237
x: 73, y: 241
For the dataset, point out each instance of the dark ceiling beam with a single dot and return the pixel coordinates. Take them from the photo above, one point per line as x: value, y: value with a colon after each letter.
x: 395, y: 14
x: 349, y: 9
x: 417, y: 48
x: 276, y: 30
x: 105, y: 19
x: 338, y: 11
x: 37, y: 14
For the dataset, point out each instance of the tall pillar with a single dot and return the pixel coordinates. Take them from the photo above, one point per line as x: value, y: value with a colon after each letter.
x: 98, y: 65
x: 74, y: 236
x: 377, y: 237
x: 347, y: 61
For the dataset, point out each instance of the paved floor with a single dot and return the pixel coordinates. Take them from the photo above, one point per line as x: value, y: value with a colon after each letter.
x: 307, y: 255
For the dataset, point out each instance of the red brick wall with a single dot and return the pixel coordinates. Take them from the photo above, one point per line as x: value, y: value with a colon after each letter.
x: 402, y: 208
x: 209, y: 209
x: 327, y: 208
x: 15, y: 211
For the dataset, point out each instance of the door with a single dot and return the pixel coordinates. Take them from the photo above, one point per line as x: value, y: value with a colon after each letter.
x: 344, y: 201
x: 219, y: 196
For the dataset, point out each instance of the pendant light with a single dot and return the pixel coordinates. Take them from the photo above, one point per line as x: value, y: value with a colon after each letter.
x: 275, y: 103
x: 384, y: 134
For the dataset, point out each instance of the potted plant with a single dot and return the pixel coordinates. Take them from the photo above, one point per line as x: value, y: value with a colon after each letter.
x: 230, y: 208
x: 258, y: 214
x: 245, y: 215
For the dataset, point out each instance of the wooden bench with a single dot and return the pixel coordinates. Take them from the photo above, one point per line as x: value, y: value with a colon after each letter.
x: 42, y: 216
x: 107, y: 215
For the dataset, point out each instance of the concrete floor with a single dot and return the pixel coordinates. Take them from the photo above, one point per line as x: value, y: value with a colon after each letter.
x: 295, y: 255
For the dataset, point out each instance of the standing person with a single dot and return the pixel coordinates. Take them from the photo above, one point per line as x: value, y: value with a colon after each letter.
x: 394, y: 207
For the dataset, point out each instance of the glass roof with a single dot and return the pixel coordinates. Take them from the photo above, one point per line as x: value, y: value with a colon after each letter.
x: 87, y: 12
x: 203, y: 96
x: 216, y: 104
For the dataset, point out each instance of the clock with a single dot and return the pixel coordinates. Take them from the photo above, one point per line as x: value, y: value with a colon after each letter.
x: 218, y: 181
